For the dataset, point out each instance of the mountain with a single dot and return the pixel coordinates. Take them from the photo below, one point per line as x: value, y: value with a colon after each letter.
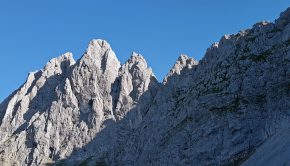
x: 230, y: 108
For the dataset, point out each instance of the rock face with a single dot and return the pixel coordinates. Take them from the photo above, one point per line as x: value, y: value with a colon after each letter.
x: 230, y: 108
x: 183, y: 62
x: 65, y: 105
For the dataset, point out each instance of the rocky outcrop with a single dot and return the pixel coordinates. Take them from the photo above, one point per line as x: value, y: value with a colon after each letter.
x: 135, y: 80
x: 183, y: 62
x: 65, y: 105
x: 222, y: 110
x: 23, y: 135
x: 230, y: 108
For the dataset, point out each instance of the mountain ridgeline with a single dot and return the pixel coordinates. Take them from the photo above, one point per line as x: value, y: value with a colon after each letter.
x: 230, y: 108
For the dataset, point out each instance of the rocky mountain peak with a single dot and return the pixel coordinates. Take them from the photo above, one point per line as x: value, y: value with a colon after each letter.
x: 135, y: 79
x: 136, y: 61
x: 100, y: 54
x: 182, y: 62
x: 98, y: 45
x: 59, y: 65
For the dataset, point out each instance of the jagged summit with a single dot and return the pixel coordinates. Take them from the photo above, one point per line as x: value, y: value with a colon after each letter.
x: 100, y: 54
x: 135, y: 57
x: 59, y: 64
x: 136, y: 60
x: 98, y: 44
x: 182, y: 62
x: 135, y: 78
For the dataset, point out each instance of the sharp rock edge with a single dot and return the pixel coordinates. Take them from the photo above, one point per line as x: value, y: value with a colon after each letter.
x: 230, y: 108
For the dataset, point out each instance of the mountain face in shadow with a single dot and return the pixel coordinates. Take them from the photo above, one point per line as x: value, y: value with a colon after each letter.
x: 230, y: 108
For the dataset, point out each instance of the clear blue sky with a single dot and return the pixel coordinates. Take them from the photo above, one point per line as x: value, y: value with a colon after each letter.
x: 33, y: 31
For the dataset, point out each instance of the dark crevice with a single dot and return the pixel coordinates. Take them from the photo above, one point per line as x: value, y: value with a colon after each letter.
x: 104, y: 61
x: 37, y: 75
x: 15, y: 109
x: 51, y: 149
x: 115, y: 92
x: 91, y: 102
x: 30, y: 144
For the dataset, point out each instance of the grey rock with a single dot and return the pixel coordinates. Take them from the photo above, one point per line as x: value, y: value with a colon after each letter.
x: 182, y: 62
x: 230, y: 108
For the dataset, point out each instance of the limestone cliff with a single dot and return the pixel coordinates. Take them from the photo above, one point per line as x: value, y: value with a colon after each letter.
x: 230, y: 108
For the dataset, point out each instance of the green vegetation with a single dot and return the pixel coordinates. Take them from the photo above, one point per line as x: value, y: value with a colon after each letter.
x: 275, y: 30
x: 86, y: 162
x: 251, y: 38
x: 240, y: 158
x: 101, y: 163
x: 60, y: 164
x: 288, y: 42
x: 262, y: 57
x: 211, y: 91
x: 260, y: 99
x: 234, y: 105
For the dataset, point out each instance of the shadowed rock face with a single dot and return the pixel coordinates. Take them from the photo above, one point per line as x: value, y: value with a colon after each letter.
x: 228, y: 109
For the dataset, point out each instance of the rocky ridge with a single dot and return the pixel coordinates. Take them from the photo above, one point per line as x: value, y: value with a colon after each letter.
x: 229, y: 108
